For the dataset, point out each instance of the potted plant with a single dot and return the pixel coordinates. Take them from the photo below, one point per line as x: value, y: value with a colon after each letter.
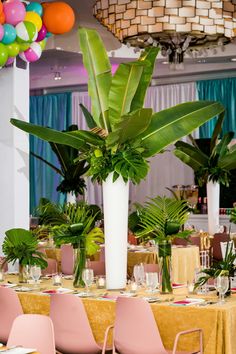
x: 161, y: 220
x: 22, y: 245
x: 211, y: 169
x: 79, y: 230
x: 71, y: 171
x: 123, y: 135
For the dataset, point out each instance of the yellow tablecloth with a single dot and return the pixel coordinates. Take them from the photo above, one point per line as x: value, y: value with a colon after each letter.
x: 184, y: 261
x: 218, y: 322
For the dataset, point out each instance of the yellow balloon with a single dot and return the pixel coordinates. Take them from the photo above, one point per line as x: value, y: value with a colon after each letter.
x: 34, y: 18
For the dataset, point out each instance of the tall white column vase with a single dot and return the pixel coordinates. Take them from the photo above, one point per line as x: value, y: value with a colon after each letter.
x: 115, y: 207
x: 213, y: 204
x: 71, y: 198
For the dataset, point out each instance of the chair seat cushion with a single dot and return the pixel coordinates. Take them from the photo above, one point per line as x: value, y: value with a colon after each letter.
x: 171, y: 351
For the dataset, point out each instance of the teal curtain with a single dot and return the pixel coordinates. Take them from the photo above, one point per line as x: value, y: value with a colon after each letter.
x: 52, y: 111
x: 223, y: 90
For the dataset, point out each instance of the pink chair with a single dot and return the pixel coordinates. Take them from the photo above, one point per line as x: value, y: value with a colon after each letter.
x: 10, y: 308
x: 98, y: 267
x: 52, y: 267
x: 102, y: 254
x: 136, y: 332
x: 151, y: 268
x: 67, y: 259
x: 33, y: 331
x: 73, y: 333
x: 5, y: 266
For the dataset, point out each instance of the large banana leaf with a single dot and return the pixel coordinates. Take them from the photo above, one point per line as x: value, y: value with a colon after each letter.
x: 131, y: 126
x: 98, y: 66
x: 222, y: 147
x: 78, y: 139
x: 123, y: 87
x: 149, y: 58
x: 217, y: 131
x: 173, y: 123
x: 228, y: 162
x: 88, y: 117
x: 190, y: 155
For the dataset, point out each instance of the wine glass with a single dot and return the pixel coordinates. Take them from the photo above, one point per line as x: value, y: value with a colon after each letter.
x: 152, y: 282
x: 87, y: 276
x: 221, y: 285
x: 35, y: 272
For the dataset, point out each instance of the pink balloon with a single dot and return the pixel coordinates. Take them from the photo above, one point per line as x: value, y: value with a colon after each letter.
x: 1, y: 32
x: 9, y: 61
x: 42, y: 34
x: 14, y: 11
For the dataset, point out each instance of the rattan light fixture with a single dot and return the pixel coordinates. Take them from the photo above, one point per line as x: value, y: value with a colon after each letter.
x: 176, y: 25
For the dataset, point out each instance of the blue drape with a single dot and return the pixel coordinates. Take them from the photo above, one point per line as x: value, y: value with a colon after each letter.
x: 223, y: 90
x: 51, y: 111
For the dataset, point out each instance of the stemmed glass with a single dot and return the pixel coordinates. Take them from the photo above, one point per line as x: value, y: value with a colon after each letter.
x: 87, y: 276
x: 152, y: 282
x: 221, y: 285
x: 35, y: 272
x: 139, y: 274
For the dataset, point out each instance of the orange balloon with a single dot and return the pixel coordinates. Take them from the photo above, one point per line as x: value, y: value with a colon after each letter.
x: 1, y: 7
x: 58, y: 17
x: 2, y: 18
x: 45, y: 4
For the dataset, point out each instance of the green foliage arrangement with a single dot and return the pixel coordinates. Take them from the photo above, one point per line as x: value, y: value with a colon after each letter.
x: 226, y: 267
x: 217, y: 165
x: 123, y: 134
x: 71, y: 170
x: 233, y: 215
x: 162, y: 218
x: 21, y: 244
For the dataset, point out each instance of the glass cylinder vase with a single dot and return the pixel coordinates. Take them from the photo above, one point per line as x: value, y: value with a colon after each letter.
x: 164, y: 261
x: 79, y: 265
x: 21, y: 277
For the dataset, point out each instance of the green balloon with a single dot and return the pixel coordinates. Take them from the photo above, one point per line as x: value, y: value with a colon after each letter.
x: 13, y: 49
x: 24, y: 46
x: 3, y: 54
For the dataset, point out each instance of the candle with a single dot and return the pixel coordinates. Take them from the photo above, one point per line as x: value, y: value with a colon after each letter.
x: 190, y: 287
x: 57, y: 280
x: 1, y: 275
x: 101, y: 282
x: 133, y: 287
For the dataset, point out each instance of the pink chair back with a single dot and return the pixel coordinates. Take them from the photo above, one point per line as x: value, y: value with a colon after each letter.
x: 97, y: 266
x: 102, y: 254
x: 5, y: 267
x: 67, y: 259
x: 135, y: 328
x: 73, y: 334
x: 10, y: 308
x: 151, y: 268
x: 52, y: 267
x: 218, y: 238
x: 33, y: 331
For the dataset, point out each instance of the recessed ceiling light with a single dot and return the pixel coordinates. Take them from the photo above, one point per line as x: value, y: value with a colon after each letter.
x: 57, y: 76
x: 233, y: 59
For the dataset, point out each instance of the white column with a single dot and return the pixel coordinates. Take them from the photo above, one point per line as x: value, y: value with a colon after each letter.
x: 213, y: 204
x: 14, y: 150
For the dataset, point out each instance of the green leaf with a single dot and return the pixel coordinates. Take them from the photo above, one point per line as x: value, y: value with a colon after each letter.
x: 222, y: 148
x: 173, y: 123
x: 148, y: 57
x: 217, y: 130
x: 88, y: 117
x: 131, y: 126
x: 98, y: 66
x: 77, y: 139
x: 228, y: 162
x: 191, y: 156
x: 123, y: 87
x: 47, y: 163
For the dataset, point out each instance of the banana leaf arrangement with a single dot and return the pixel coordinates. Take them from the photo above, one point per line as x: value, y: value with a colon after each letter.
x: 71, y: 170
x: 215, y: 166
x: 123, y: 134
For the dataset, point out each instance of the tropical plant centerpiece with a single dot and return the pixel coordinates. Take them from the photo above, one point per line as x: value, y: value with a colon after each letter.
x: 123, y: 135
x: 22, y: 245
x: 226, y: 267
x: 77, y: 229
x: 213, y: 168
x: 161, y: 220
x: 71, y: 171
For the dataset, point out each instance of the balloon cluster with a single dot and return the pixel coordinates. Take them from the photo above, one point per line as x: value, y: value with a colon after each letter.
x: 25, y: 27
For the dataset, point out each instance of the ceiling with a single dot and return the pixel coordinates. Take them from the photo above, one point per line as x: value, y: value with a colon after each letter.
x: 62, y: 55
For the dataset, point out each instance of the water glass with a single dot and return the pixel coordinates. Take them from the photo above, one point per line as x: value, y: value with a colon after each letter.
x: 57, y: 280
x: 35, y: 272
x: 221, y: 285
x: 88, y: 277
x: 139, y: 274
x: 152, y: 282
